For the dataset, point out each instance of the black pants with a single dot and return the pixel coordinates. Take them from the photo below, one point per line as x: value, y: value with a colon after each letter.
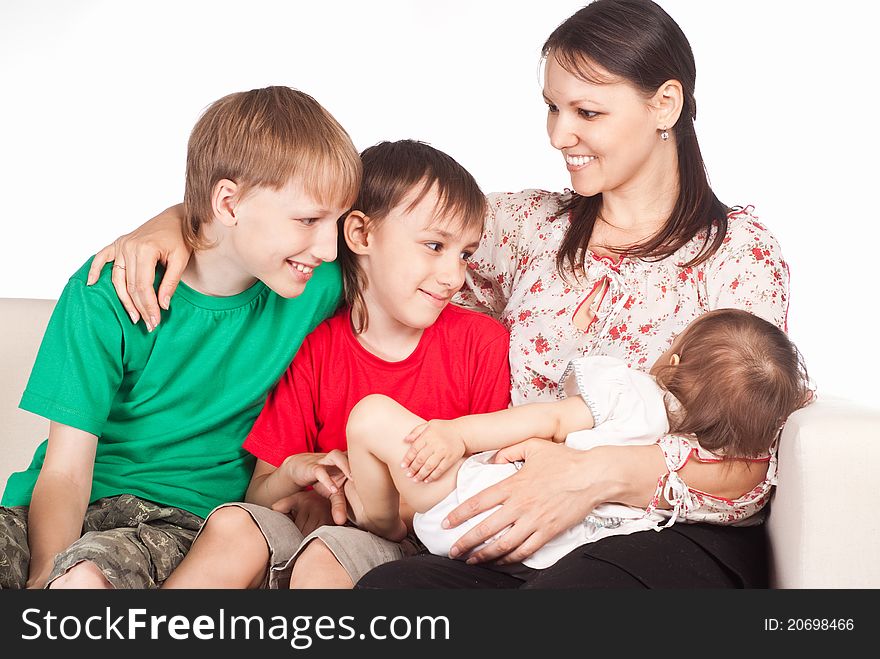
x: 682, y: 556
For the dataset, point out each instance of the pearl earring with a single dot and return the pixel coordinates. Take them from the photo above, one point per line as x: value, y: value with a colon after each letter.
x: 664, y: 135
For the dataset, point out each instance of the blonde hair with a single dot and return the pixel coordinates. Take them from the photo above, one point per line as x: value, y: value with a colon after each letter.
x: 264, y: 138
x: 391, y: 170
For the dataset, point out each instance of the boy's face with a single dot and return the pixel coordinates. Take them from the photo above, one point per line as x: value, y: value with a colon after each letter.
x: 281, y: 236
x: 416, y: 263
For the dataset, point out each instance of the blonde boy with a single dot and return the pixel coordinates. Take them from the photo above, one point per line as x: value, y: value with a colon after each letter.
x: 147, y: 423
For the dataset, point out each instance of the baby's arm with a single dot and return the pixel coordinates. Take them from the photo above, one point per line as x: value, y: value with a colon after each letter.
x: 61, y: 496
x: 437, y: 444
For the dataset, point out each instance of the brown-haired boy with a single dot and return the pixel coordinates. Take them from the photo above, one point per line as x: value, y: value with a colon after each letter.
x: 147, y: 424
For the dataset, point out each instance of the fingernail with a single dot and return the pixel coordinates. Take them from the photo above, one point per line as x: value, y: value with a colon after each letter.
x: 471, y: 561
x: 149, y: 327
x: 154, y: 321
x: 166, y: 301
x: 134, y: 317
x: 445, y: 523
x: 453, y: 552
x: 409, y: 474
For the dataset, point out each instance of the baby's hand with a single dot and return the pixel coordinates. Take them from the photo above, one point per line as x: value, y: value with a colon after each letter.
x: 436, y: 446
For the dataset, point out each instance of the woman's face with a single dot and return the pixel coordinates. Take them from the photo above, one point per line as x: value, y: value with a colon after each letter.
x: 607, y: 133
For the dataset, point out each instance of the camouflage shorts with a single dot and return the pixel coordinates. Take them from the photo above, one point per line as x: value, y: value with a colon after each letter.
x: 135, y: 543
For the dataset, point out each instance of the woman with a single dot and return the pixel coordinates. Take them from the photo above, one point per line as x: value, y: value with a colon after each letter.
x: 618, y: 266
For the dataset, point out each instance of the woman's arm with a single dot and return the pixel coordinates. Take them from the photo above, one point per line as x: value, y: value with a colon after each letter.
x: 558, y: 487
x: 136, y: 255
x: 60, y: 498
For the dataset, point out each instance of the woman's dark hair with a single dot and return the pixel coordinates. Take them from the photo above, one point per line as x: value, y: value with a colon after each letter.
x: 639, y: 42
x: 391, y: 171
x: 738, y: 379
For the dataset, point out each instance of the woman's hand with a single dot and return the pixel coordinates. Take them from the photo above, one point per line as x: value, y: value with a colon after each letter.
x: 555, y: 489
x: 136, y: 255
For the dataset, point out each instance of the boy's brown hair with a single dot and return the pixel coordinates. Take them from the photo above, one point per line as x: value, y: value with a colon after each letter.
x: 263, y: 138
x: 391, y: 171
x: 738, y: 379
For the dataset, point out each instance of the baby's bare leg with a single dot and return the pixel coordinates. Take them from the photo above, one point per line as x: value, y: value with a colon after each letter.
x: 375, y: 431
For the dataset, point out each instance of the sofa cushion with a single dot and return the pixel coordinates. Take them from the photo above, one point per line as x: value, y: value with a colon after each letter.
x: 21, y: 330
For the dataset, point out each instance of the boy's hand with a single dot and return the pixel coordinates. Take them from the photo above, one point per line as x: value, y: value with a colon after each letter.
x: 355, y: 505
x: 308, y: 510
x: 358, y: 515
x: 436, y: 446
x: 330, y: 470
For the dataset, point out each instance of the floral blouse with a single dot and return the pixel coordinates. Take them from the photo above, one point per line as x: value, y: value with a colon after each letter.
x: 693, y: 505
x: 639, y: 306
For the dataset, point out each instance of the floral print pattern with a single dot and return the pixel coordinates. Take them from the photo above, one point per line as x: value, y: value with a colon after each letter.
x: 695, y: 506
x: 513, y: 276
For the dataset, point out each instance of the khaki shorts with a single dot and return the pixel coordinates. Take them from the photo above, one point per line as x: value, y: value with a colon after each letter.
x: 357, y: 551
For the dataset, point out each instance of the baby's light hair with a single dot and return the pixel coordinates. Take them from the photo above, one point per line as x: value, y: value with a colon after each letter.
x: 391, y: 172
x: 264, y: 138
x: 738, y: 379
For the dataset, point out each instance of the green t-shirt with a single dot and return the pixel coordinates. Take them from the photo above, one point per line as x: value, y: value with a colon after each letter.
x: 171, y: 408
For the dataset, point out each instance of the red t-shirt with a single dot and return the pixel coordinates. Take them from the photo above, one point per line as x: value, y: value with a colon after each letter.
x: 459, y: 367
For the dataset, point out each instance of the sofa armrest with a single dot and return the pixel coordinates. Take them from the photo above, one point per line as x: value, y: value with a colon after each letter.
x: 823, y: 525
x: 21, y: 331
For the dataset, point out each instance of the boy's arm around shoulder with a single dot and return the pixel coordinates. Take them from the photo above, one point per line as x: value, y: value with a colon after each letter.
x: 60, y: 499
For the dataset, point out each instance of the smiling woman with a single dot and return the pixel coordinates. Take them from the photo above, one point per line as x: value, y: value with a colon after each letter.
x: 559, y: 268
x: 618, y: 267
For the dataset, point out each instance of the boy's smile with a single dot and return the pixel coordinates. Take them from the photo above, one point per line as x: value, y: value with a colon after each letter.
x: 301, y: 271
x: 415, y: 263
x: 439, y: 300
x: 276, y: 236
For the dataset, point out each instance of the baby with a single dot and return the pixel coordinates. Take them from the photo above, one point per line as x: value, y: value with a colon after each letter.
x: 723, y: 390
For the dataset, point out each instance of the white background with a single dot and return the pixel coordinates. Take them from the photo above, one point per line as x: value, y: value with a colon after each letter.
x: 97, y: 99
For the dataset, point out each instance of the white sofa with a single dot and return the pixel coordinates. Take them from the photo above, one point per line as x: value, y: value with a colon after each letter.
x: 823, y: 529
